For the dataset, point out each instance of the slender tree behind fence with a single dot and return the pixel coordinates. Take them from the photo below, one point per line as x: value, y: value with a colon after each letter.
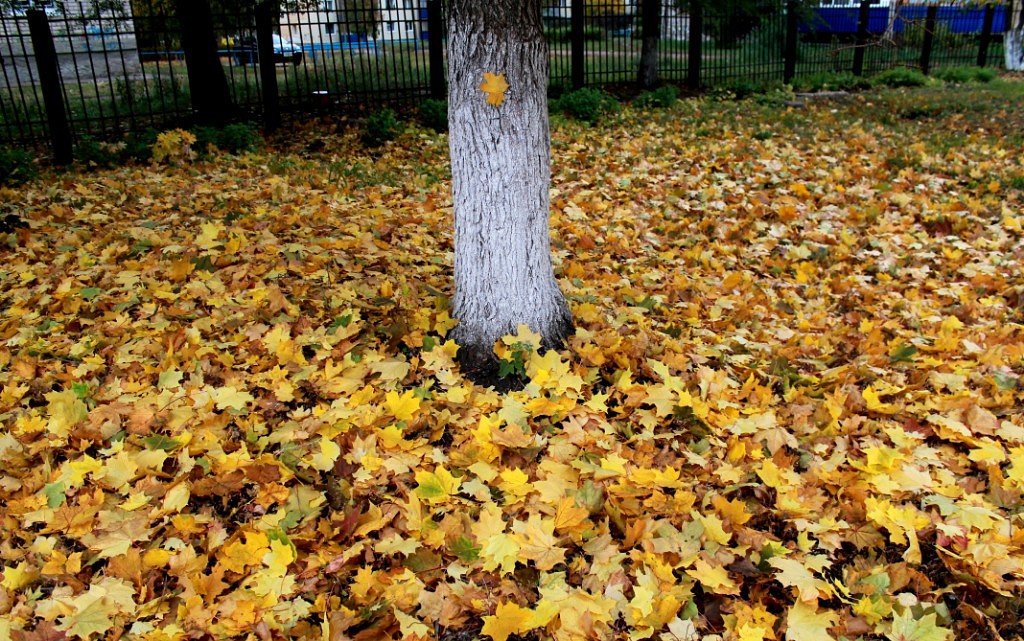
x: 102, y: 69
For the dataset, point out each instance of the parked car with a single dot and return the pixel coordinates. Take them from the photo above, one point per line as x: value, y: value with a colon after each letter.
x: 246, y: 53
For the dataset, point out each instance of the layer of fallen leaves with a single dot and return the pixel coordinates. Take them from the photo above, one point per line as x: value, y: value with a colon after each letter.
x: 791, y: 408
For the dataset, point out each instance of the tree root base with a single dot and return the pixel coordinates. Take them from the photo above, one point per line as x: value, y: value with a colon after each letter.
x: 480, y: 364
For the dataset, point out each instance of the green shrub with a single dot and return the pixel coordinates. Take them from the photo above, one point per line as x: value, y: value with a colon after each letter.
x: 139, y: 146
x: 237, y: 138
x: 830, y: 81
x: 380, y: 127
x: 962, y: 75
x: 16, y: 166
x: 900, y: 77
x: 205, y: 138
x: 743, y: 88
x: 233, y: 139
x: 90, y: 151
x: 434, y: 114
x: 591, y: 33
x: 661, y: 98
x: 587, y: 104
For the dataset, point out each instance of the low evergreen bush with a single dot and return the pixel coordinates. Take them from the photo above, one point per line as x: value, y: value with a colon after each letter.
x: 661, y: 98
x: 380, y: 127
x: 900, y: 77
x: 434, y: 114
x: 16, y: 167
x: 587, y: 104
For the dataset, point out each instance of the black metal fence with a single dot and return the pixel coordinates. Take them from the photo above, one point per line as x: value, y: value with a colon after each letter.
x: 124, y: 67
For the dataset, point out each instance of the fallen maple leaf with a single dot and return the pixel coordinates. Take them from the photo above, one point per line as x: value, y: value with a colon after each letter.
x: 494, y: 86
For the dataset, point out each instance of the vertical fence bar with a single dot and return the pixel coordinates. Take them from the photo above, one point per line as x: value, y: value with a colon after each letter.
x: 435, y: 46
x: 792, y: 19
x: 863, y: 16
x: 268, y: 69
x: 929, y: 38
x: 49, y: 79
x: 986, y: 34
x: 578, y: 10
x: 695, y: 42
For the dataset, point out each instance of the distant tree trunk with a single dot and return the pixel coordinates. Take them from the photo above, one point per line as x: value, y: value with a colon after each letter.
x: 650, y: 14
x: 894, y: 14
x: 501, y: 173
x: 1013, y: 39
x: 207, y: 84
x: 360, y: 16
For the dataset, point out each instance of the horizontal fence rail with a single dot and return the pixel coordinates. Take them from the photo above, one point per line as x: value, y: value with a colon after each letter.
x: 133, y: 65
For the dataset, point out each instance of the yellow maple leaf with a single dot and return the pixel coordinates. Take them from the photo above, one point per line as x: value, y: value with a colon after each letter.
x: 93, y: 618
x: 805, y: 623
x: 734, y: 511
x: 403, y: 407
x: 437, y: 486
x: 508, y: 619
x: 906, y: 628
x: 872, y: 608
x: 713, y: 527
x: 65, y: 411
x: 328, y: 454
x: 155, y: 558
x: 231, y: 398
x: 281, y: 554
x: 411, y: 627
x: 713, y: 578
x: 874, y: 403
x: 568, y: 515
x: 495, y: 86
x: 538, y: 543
x: 237, y: 555
x: 500, y: 550
x: 208, y: 235
x: 796, y: 574
x: 515, y: 484
x: 18, y: 576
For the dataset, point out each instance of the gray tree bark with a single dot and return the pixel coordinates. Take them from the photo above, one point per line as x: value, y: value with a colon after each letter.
x: 1013, y: 39
x: 650, y: 14
x: 501, y: 173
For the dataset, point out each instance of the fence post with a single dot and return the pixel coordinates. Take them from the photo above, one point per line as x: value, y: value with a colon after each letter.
x: 49, y: 79
x: 268, y: 69
x: 986, y: 34
x: 791, y: 33
x: 695, y: 42
x: 578, y: 11
x: 435, y: 49
x: 863, y: 16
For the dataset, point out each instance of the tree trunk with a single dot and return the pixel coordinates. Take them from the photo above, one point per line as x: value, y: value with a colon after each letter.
x: 650, y: 14
x: 1013, y: 39
x: 208, y: 87
x: 890, y: 24
x: 501, y: 172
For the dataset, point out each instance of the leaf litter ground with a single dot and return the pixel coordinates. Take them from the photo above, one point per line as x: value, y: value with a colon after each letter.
x: 791, y: 408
